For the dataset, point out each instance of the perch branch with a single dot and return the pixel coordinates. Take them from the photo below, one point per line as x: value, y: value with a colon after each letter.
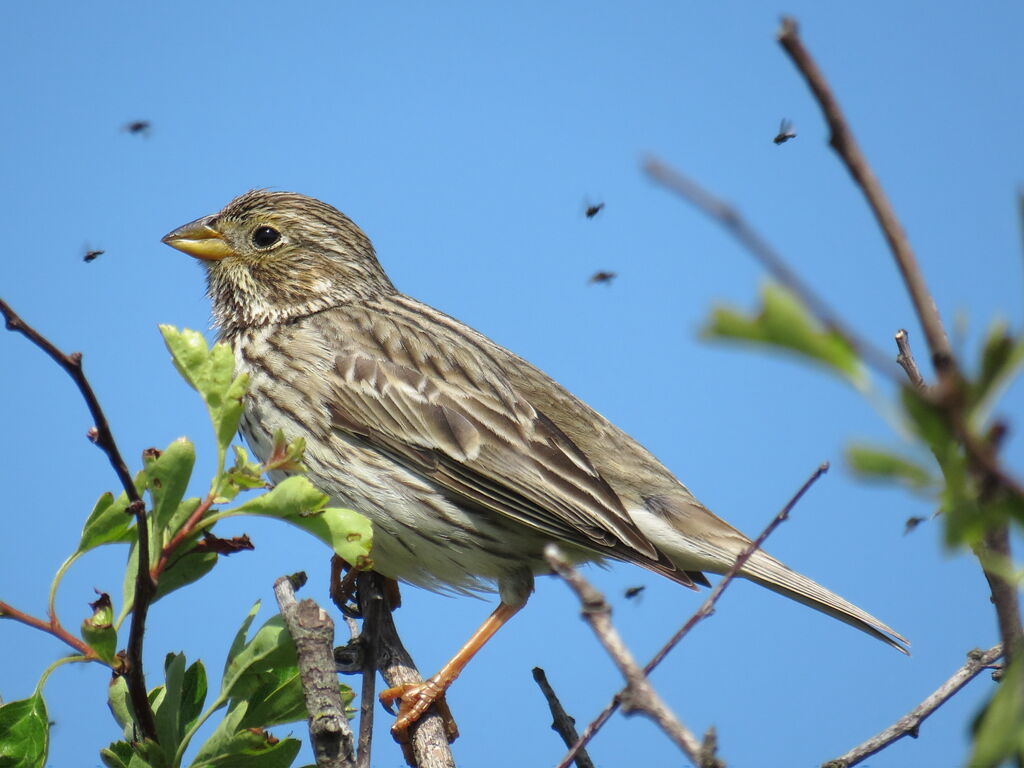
x: 428, y: 741
x: 909, y: 724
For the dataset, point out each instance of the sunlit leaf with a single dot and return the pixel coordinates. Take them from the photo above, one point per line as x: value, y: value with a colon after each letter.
x: 169, y: 475
x: 1001, y: 359
x: 211, y: 373
x: 296, y: 501
x: 783, y: 322
x: 107, y: 523
x: 881, y: 465
x: 24, y: 733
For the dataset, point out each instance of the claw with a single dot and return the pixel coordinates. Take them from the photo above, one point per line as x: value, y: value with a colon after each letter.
x: 414, y: 700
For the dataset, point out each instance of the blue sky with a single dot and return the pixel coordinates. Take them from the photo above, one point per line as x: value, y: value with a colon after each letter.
x: 466, y: 139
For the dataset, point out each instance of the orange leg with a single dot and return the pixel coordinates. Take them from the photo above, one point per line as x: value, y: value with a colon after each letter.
x: 416, y: 698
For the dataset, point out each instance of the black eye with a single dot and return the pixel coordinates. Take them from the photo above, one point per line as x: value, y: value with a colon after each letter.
x: 264, y: 237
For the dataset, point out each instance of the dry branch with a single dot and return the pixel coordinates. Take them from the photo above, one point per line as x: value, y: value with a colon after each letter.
x: 909, y: 724
x: 562, y: 722
x: 705, y: 610
x: 639, y: 695
x: 313, y: 632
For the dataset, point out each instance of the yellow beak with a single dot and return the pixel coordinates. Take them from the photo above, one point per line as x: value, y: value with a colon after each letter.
x: 200, y: 239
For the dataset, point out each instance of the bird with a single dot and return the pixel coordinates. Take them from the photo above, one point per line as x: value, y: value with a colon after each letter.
x: 467, y: 459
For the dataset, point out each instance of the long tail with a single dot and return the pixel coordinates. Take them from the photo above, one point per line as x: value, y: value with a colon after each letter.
x: 765, y: 570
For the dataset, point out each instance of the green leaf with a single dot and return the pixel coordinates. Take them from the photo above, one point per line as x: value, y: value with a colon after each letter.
x: 168, y: 713
x: 24, y: 733
x: 883, y: 466
x: 244, y: 475
x: 296, y: 501
x: 182, y: 514
x: 277, y: 698
x: 270, y: 647
x: 785, y: 323
x: 999, y: 727
x: 181, y: 571
x: 958, y: 498
x: 211, y: 373
x: 1001, y: 359
x: 98, y: 630
x: 120, y: 705
x: 169, y: 475
x: 232, y: 745
x: 238, y: 643
x: 117, y: 755
x: 108, y: 523
x: 193, y: 694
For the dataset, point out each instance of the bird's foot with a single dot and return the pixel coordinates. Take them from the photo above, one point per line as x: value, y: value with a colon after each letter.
x: 414, y: 700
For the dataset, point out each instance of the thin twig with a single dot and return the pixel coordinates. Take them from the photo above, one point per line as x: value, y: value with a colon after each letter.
x: 734, y: 223
x: 104, y: 438
x: 705, y: 610
x: 639, y: 695
x: 371, y: 605
x: 845, y: 145
x: 428, y: 738
x: 982, y: 457
x: 51, y: 627
x: 906, y: 359
x: 562, y: 722
x: 909, y: 724
x: 313, y: 632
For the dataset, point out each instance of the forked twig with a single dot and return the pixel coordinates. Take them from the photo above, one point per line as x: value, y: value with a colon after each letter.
x: 705, y: 610
x: 638, y: 695
x: 145, y: 589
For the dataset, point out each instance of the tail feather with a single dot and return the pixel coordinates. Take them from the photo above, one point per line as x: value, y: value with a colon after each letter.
x: 765, y: 570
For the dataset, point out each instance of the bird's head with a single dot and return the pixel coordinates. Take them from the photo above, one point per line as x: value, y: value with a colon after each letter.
x: 273, y: 256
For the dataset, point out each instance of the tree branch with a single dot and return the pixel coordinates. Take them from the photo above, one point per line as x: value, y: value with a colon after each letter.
x: 51, y: 627
x: 428, y: 740
x: 906, y: 359
x: 639, y: 695
x: 705, y: 610
x: 845, y: 145
x: 733, y: 222
x: 104, y: 438
x: 562, y: 722
x: 909, y: 724
x: 313, y: 632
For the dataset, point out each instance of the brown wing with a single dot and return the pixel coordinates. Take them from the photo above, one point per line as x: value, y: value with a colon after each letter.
x: 496, y: 452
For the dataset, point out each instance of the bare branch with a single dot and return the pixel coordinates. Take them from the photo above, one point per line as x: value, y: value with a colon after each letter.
x: 562, y: 722
x: 906, y: 359
x: 428, y: 743
x: 313, y: 632
x: 845, y: 145
x: 102, y: 436
x: 705, y: 610
x: 909, y: 724
x: 639, y: 695
x: 734, y: 223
